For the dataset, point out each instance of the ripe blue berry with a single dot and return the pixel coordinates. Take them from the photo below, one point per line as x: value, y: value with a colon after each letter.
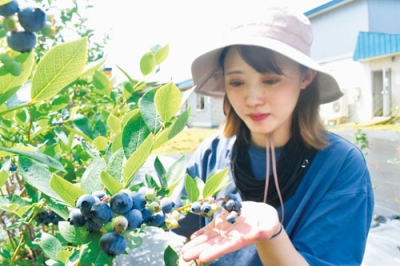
x: 196, y: 207
x: 135, y: 219
x: 85, y: 203
x: 13, y: 167
x: 101, y: 212
x: 229, y: 205
x: 32, y: 19
x: 166, y: 205
x: 206, y: 208
x: 231, y: 218
x: 158, y: 219
x: 146, y: 214
x: 112, y: 244
x: 9, y: 9
x: 93, y: 226
x: 121, y: 203
x: 76, y: 218
x: 138, y: 201
x: 100, y: 193
x: 21, y: 41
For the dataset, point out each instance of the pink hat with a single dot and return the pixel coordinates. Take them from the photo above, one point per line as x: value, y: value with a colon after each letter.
x: 279, y: 29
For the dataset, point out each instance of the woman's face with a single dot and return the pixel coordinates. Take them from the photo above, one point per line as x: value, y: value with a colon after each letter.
x: 264, y: 101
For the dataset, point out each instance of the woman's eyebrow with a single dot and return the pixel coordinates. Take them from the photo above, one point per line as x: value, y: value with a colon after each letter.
x: 234, y: 72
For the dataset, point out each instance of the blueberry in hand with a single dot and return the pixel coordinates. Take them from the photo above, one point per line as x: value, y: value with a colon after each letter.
x: 196, y: 207
x: 135, y: 219
x: 9, y: 9
x: 167, y: 205
x: 21, y: 41
x: 112, y: 244
x: 231, y: 218
x: 85, y: 203
x: 121, y: 202
x: 138, y: 201
x: 229, y: 205
x: 76, y: 218
x: 101, y: 212
x: 32, y: 19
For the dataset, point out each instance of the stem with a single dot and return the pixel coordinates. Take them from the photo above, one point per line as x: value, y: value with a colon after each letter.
x: 22, y: 239
x: 16, y: 108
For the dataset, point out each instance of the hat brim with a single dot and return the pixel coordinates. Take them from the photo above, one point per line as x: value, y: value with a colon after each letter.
x: 208, y: 77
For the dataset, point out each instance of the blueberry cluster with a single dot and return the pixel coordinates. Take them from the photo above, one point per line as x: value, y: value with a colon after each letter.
x: 60, y: 120
x: 207, y: 207
x: 48, y: 217
x: 30, y: 19
x: 124, y: 211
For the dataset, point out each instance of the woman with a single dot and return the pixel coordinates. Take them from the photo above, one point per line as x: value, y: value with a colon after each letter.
x: 317, y: 207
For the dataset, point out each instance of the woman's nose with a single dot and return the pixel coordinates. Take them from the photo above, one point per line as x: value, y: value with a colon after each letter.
x: 254, y: 95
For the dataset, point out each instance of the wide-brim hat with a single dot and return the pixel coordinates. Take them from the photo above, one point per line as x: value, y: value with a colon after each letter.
x: 277, y: 28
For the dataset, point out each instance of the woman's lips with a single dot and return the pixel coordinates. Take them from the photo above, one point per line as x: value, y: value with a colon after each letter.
x: 258, y: 117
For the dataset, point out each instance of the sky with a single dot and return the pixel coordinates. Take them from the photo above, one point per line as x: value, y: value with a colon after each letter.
x: 136, y: 26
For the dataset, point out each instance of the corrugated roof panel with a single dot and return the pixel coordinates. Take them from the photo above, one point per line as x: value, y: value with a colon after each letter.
x: 374, y: 44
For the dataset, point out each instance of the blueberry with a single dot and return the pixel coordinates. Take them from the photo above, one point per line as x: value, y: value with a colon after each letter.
x: 85, y: 203
x: 229, y: 205
x: 32, y: 19
x: 100, y: 193
x: 9, y: 9
x: 167, y: 205
x: 21, y: 41
x: 101, y: 212
x: 13, y: 167
x: 76, y: 218
x: 112, y: 244
x: 138, y: 201
x: 196, y: 207
x: 146, y: 214
x: 93, y: 226
x: 231, y: 218
x: 206, y: 208
x: 119, y: 224
x: 121, y: 203
x: 135, y: 219
x: 158, y: 219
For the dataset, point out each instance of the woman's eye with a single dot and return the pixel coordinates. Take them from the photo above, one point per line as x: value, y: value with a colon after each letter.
x: 235, y: 83
x: 270, y: 81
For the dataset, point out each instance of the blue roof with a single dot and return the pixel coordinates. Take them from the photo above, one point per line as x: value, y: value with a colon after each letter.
x: 322, y: 7
x: 185, y: 83
x: 374, y: 44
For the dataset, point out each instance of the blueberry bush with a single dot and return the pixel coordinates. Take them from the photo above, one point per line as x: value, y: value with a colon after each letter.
x: 72, y: 143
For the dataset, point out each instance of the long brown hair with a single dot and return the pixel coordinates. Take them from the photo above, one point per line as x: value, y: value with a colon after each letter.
x: 306, y: 121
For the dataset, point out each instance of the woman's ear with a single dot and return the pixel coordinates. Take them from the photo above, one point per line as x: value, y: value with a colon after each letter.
x: 307, y: 78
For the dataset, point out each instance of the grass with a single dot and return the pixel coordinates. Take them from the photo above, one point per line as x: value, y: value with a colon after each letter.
x: 188, y: 140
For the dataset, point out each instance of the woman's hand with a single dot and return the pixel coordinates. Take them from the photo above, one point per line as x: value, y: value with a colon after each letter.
x: 258, y: 222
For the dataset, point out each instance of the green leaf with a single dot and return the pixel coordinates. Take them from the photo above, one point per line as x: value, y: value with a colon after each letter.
x: 37, y: 176
x: 167, y: 101
x: 91, y: 68
x: 162, y: 54
x: 171, y: 258
x: 91, y: 177
x: 110, y: 182
x: 60, y: 66
x: 176, y: 171
x: 134, y: 134
x: 37, y: 156
x: 161, y: 172
x: 192, y: 191
x: 3, y: 177
x: 50, y: 245
x: 73, y: 234
x: 66, y: 190
x: 115, y: 164
x: 137, y: 159
x: 59, y: 102
x: 149, y: 112
x: 171, y: 131
x: 63, y: 255
x: 147, y: 63
x: 101, y: 83
x: 114, y: 123
x: 82, y: 123
x: 215, y: 183
x: 100, y: 143
x: 9, y: 82
x: 117, y: 142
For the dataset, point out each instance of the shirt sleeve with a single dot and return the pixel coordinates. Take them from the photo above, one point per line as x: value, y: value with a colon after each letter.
x: 335, y: 229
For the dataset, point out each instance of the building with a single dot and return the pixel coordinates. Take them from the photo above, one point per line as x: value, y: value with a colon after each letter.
x: 358, y: 41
